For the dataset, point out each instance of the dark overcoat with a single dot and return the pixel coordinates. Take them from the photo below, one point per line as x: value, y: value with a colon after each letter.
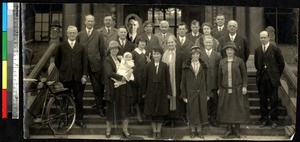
x: 157, y: 89
x: 117, y: 98
x: 71, y: 63
x: 234, y: 107
x: 194, y: 89
x: 185, y: 48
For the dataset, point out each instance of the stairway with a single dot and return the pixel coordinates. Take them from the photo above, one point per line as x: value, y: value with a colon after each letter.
x: 96, y: 125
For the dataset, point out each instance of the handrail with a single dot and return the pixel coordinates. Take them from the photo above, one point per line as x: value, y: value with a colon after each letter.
x: 290, y: 75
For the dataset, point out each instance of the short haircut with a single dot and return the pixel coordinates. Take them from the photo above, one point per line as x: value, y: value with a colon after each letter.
x: 72, y: 27
x: 121, y: 27
x: 138, y: 40
x: 182, y: 24
x: 208, y: 38
x: 221, y: 15
x: 195, y: 22
x: 164, y: 22
x: 147, y: 23
x: 112, y: 17
x: 208, y: 24
x: 172, y: 37
x: 89, y: 15
x: 157, y: 49
x: 233, y: 21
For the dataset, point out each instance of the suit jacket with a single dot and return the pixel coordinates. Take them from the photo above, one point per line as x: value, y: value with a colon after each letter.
x: 185, y: 48
x: 215, y: 32
x: 112, y: 35
x: 94, y: 48
x: 241, y: 43
x: 200, y: 42
x: 212, y: 70
x: 135, y: 39
x: 163, y: 41
x: 71, y: 63
x: 152, y: 43
x: 274, y: 62
x: 129, y: 47
x: 191, y: 37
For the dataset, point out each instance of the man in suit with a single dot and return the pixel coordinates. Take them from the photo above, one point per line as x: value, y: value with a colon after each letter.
x: 183, y: 44
x: 108, y: 31
x: 220, y: 30
x: 241, y: 42
x: 126, y: 46
x: 163, y: 34
x: 93, y: 43
x: 71, y: 62
x: 269, y: 64
x: 194, y: 34
x: 212, y: 58
x: 133, y: 26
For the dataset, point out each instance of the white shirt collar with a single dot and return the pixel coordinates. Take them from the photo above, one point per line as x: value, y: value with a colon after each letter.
x: 195, y: 34
x: 107, y: 28
x: 182, y: 39
x: 156, y: 63
x: 208, y: 51
x: 139, y: 51
x: 221, y: 27
x: 122, y: 40
x: 88, y: 30
x: 69, y: 41
x: 232, y: 36
x: 266, y: 45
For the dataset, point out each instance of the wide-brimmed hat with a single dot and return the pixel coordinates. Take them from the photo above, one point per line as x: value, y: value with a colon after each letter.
x: 195, y: 49
x: 55, y: 23
x: 113, y: 44
x: 230, y: 44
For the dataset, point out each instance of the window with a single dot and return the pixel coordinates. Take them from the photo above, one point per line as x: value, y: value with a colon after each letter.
x: 172, y: 15
x: 45, y: 14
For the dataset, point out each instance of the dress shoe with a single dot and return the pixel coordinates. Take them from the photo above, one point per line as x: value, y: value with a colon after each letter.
x: 126, y: 135
x: 80, y: 124
x: 158, y: 135
x: 192, y: 135
x: 101, y: 112
x: 154, y: 135
x: 274, y: 125
x: 200, y: 135
x: 107, y: 135
x: 263, y: 124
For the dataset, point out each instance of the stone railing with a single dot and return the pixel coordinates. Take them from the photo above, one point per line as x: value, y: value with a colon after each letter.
x: 288, y: 92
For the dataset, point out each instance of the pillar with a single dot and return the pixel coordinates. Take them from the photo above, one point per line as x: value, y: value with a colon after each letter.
x: 71, y: 16
x: 255, y: 24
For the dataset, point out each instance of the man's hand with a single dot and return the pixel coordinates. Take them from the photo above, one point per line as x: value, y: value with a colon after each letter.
x: 185, y: 100
x: 83, y: 79
x: 207, y: 98
x: 244, y: 90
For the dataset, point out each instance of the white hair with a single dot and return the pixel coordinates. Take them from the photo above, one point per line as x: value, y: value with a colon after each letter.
x: 71, y: 27
x: 164, y: 22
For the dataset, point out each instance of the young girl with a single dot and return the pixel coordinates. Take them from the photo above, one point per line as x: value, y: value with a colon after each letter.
x: 194, y: 91
x: 125, y: 69
x: 157, y: 91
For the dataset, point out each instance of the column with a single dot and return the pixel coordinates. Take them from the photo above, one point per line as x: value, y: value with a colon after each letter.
x: 255, y: 24
x: 71, y: 16
x: 85, y: 10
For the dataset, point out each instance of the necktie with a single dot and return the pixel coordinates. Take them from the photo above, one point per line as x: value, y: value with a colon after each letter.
x: 181, y: 41
x: 208, y: 53
x: 156, y: 68
x: 108, y: 30
x: 89, y: 32
x: 122, y: 43
x: 264, y: 47
x: 164, y: 35
x: 72, y: 44
x: 231, y: 38
x: 220, y: 29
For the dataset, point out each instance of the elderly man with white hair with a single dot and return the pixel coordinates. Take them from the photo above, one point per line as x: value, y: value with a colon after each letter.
x: 240, y: 41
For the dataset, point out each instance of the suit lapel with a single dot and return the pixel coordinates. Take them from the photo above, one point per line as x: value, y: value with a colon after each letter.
x: 92, y: 35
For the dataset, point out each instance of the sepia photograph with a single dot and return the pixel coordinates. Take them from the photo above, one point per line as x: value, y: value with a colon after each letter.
x: 117, y: 71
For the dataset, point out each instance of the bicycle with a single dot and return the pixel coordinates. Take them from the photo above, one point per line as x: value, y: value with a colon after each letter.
x: 58, y: 110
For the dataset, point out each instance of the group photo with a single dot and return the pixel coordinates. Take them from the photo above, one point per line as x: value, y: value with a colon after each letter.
x: 159, y: 72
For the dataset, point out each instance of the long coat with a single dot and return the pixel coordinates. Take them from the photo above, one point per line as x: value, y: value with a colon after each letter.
x: 94, y: 49
x: 185, y: 48
x: 195, y: 91
x: 71, y: 63
x: 274, y: 62
x: 117, y: 98
x: 157, y: 89
x: 241, y: 42
x: 234, y: 107
x: 178, y: 74
x: 212, y: 70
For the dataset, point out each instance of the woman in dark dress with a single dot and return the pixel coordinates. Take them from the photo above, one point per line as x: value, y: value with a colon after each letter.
x: 233, y: 107
x: 117, y: 98
x: 157, y: 90
x: 194, y: 91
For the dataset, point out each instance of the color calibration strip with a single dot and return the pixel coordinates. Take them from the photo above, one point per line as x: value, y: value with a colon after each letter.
x: 14, y: 12
x: 4, y: 60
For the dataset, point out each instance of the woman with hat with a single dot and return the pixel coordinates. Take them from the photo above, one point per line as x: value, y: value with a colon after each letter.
x: 233, y: 107
x: 194, y: 91
x: 117, y: 98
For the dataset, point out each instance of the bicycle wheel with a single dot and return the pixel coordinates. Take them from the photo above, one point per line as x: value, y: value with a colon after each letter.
x: 61, y: 113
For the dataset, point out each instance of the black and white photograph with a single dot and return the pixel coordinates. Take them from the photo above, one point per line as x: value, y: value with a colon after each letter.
x: 117, y: 71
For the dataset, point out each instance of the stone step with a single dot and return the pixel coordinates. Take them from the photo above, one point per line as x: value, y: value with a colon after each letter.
x: 175, y: 133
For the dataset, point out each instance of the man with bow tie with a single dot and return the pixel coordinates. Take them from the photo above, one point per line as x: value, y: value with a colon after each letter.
x: 269, y: 64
